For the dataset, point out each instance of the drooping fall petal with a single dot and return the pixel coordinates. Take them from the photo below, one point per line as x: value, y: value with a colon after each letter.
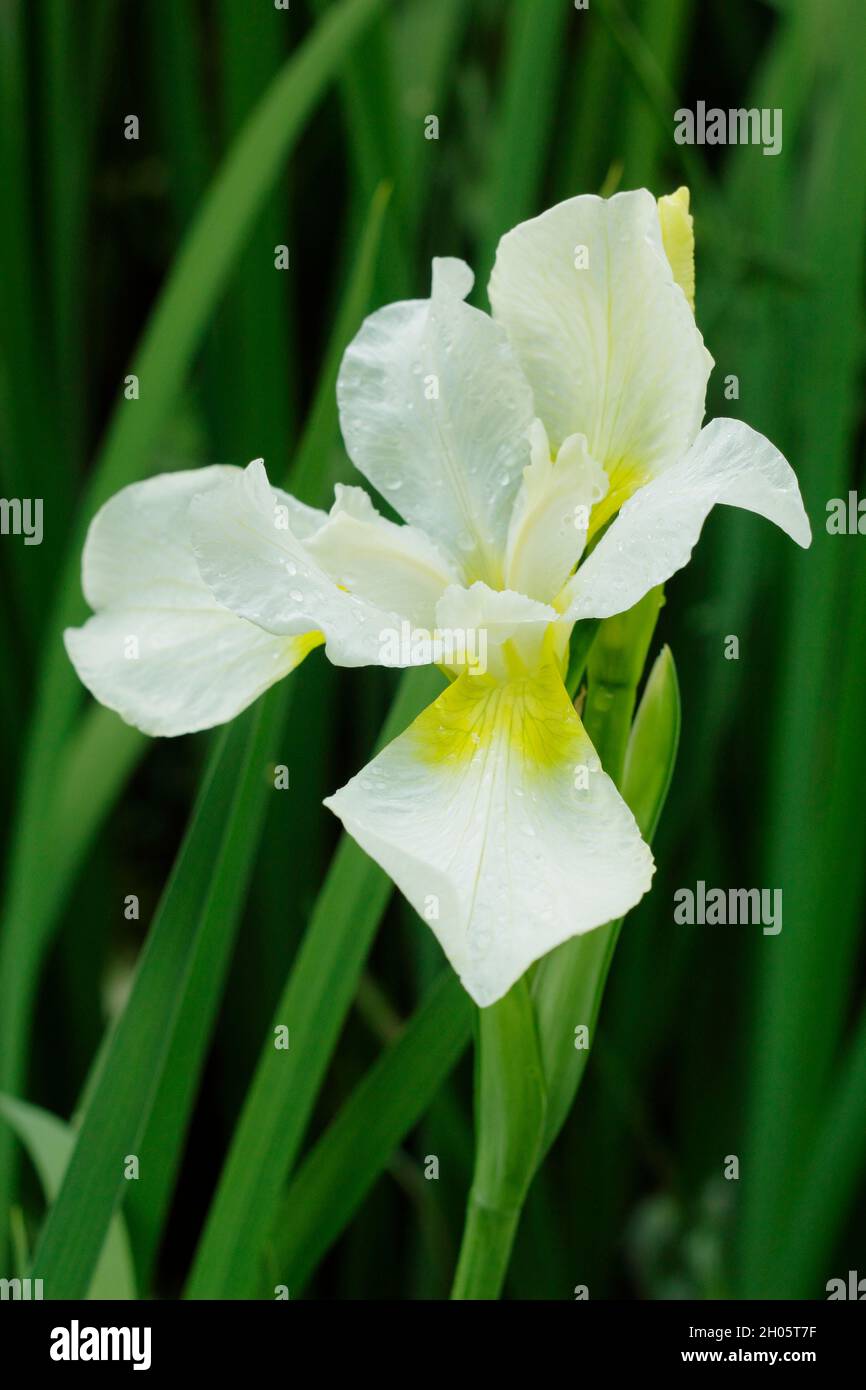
x: 657, y: 529
x: 160, y: 650
x: 494, y: 818
x: 379, y: 560
x: 256, y: 566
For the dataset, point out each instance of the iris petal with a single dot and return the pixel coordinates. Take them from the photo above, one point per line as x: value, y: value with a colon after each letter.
x: 160, y: 650
x: 656, y: 531
x: 435, y: 412
x: 604, y: 334
x: 492, y: 815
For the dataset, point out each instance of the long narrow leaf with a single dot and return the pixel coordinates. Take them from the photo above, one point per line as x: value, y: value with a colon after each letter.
x: 49, y: 1143
x: 332, y: 1182
x: 196, y: 919
x: 313, y: 1007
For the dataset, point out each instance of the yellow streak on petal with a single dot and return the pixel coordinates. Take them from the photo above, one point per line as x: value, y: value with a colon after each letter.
x: 531, y: 714
x: 625, y: 478
x: 678, y: 239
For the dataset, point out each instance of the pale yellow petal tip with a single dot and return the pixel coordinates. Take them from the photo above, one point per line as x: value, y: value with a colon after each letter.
x: 678, y: 239
x: 680, y: 198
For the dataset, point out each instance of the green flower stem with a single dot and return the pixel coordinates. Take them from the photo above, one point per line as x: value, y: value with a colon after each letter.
x: 485, y: 1252
x: 510, y: 1107
x: 569, y: 983
x: 524, y: 1039
x: 614, y: 668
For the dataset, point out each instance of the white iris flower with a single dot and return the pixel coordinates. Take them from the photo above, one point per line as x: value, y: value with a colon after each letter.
x: 506, y: 443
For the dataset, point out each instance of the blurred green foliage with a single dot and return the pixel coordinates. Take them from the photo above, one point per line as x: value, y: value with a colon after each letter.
x: 260, y: 126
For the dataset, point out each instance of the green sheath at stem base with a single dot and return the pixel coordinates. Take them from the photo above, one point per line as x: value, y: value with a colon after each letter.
x: 485, y: 1252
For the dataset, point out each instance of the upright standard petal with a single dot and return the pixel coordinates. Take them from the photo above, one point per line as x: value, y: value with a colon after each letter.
x: 604, y: 334
x: 678, y: 240
x: 551, y: 516
x: 256, y: 566
x: 160, y: 650
x: 436, y: 412
x: 493, y: 816
x: 655, y: 532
